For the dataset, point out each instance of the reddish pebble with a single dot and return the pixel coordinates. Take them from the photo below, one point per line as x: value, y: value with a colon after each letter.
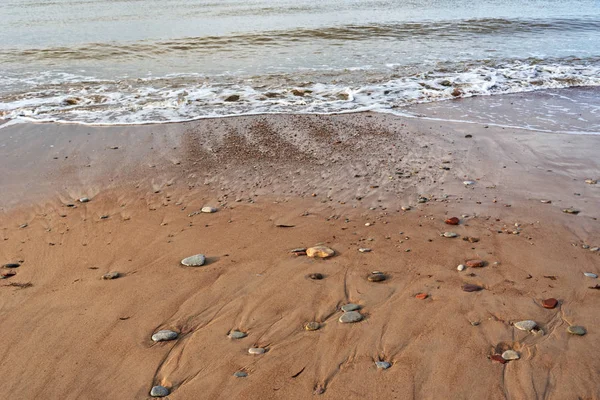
x: 421, y: 296
x: 475, y: 263
x: 498, y: 358
x: 471, y: 288
x: 452, y: 221
x: 549, y: 303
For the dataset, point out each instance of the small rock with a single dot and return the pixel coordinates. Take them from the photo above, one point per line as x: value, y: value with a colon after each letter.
x: 475, y: 323
x: 111, y: 275
x: 84, y: 200
x: 350, y: 307
x: 316, y: 276
x: 452, y: 221
x: 256, y: 350
x: 461, y: 267
x: 549, y: 303
x: 509, y: 355
x: 475, y: 263
x: 405, y: 208
x: 576, y: 330
x: 320, y: 252
x: 208, y: 210
x: 164, y: 335
x: 468, y: 183
x: 159, y: 391
x: 194, y: 261
x: 350, y: 317
x: 571, y: 211
x: 233, y: 97
x: 240, y: 374
x: 382, y: 364
x: 421, y: 296
x: 595, y: 249
x: 470, y: 239
x: 591, y: 181
x: 376, y: 277
x: 364, y: 250
x: 422, y: 200
x: 526, y: 325
x: 498, y: 358
x: 7, y: 274
x: 11, y: 265
x: 23, y: 226
x: 237, y: 334
x: 312, y: 326
x: 546, y: 201
x: 449, y: 234
x: 590, y: 275
x: 471, y: 288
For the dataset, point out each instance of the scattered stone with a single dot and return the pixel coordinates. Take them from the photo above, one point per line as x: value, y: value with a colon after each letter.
x: 164, y: 335
x: 591, y: 181
x: 382, y: 364
x: 233, y: 97
x: 546, y: 201
x: 376, y: 276
x: 364, y: 250
x: 475, y: 323
x: 461, y: 267
x: 475, y: 263
x: 469, y: 136
x: 316, y: 276
x: 23, y: 226
x: 449, y: 234
x: 453, y: 221
x: 240, y: 374
x: 421, y: 296
x: 498, y: 358
x: 470, y: 239
x: 405, y: 208
x: 284, y: 225
x: 509, y: 355
x: 576, y: 330
x: 312, y: 326
x: 256, y: 350
x: 350, y: 307
x: 299, y: 250
x: 104, y: 217
x: 111, y: 275
x: 549, y: 303
x: 527, y: 325
x: 471, y: 288
x: 84, y: 200
x: 320, y: 252
x: 595, y: 249
x: 208, y: 210
x: 7, y: 274
x: 590, y: 275
x: 159, y: 391
x: 194, y: 261
x: 235, y: 334
x: 571, y: 211
x: 350, y: 317
x: 468, y: 183
x: 422, y: 200
x: 11, y: 265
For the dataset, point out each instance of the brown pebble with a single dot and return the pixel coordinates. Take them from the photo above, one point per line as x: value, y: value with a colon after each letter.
x: 421, y: 296
x: 452, y: 221
x: 471, y: 288
x: 316, y: 276
x: 475, y: 263
x: 312, y: 326
x: 376, y: 277
x: 549, y: 303
x: 498, y: 358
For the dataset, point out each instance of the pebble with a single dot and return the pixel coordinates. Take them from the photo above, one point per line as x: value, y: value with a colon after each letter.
x: 546, y: 201
x: 571, y: 211
x: 509, y: 355
x: 382, y: 364
x: 237, y: 335
x: 591, y: 181
x: 421, y: 296
x: 498, y: 358
x: 350, y: 307
x: 7, y: 274
x: 590, y: 275
x: 364, y: 250
x: 452, y: 221
x: 320, y: 252
x: 111, y: 275
x: 549, y: 303
x: 316, y: 276
x: 164, y: 335
x: 256, y: 350
x: 194, y: 261
x: 461, y: 267
x: 405, y: 208
x: 240, y: 374
x: 159, y: 391
x: 595, y: 249
x: 475, y: 263
x: 471, y: 288
x: 526, y: 325
x: 376, y: 276
x: 468, y: 183
x: 350, y: 316
x: 449, y: 234
x: 23, y: 226
x: 84, y: 200
x: 576, y: 330
x: 208, y: 210
x: 312, y: 326
x: 11, y: 265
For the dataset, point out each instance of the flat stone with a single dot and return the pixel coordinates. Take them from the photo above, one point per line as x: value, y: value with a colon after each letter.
x: 421, y: 296
x: 237, y: 335
x: 571, y: 211
x: 590, y: 275
x: 7, y: 274
x: 240, y: 374
x: 460, y: 267
x: 350, y: 307
x: 498, y: 358
x: 11, y: 265
x: 350, y: 317
x: 382, y: 364
x: 546, y: 201
x: 194, y: 261
x: 526, y: 325
x: 256, y: 350
x: 208, y: 209
x: 320, y: 252
x: 509, y: 355
x: 364, y: 250
x: 471, y: 288
x: 111, y: 275
x: 475, y: 263
x: 452, y: 221
x: 405, y: 208
x: 376, y: 277
x: 595, y: 249
x: 299, y: 250
x: 159, y: 391
x: 164, y: 335
x: 549, y: 303
x: 84, y: 200
x: 450, y: 234
x: 312, y: 326
x: 591, y: 181
x: 576, y: 330
x: 468, y: 183
x: 316, y: 276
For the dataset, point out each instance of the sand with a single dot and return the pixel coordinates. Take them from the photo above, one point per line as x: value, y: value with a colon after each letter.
x: 335, y: 180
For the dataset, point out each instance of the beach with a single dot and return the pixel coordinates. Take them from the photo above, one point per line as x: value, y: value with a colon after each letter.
x: 383, y: 184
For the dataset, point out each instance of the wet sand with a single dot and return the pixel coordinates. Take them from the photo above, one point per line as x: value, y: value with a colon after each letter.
x: 337, y: 180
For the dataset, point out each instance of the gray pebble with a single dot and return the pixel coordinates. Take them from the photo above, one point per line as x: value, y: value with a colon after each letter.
x: 208, y: 210
x: 256, y: 350
x: 510, y: 355
x: 164, y: 335
x: 194, y: 261
x: 84, y: 200
x: 240, y: 374
x: 350, y: 307
x: 237, y: 335
x: 350, y: 316
x: 590, y: 275
x: 159, y: 391
x: 526, y: 325
x: 111, y: 275
x: 449, y: 234
x: 576, y: 330
x: 382, y: 364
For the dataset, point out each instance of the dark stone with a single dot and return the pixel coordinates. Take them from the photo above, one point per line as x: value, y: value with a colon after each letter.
x: 233, y: 97
x: 549, y: 303
x: 317, y: 276
x: 471, y: 288
x: 11, y: 265
x: 376, y: 277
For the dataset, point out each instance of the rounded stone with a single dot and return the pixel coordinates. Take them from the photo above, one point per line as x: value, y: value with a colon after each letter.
x: 421, y: 296
x: 194, y: 261
x: 316, y: 276
x: 11, y: 265
x: 164, y: 335
x: 256, y: 350
x: 471, y: 288
x: 159, y: 391
x: 449, y: 234
x: 240, y: 374
x: 350, y: 307
x: 208, y: 209
x: 468, y: 183
x: 549, y: 303
x: 312, y: 326
x: 364, y: 250
x: 452, y: 221
x: 475, y: 263
x: 461, y: 267
x: 111, y: 275
x: 526, y: 325
x: 571, y: 211
x: 376, y: 277
x: 84, y: 200
x: 320, y: 252
x: 509, y: 355
x: 7, y: 274
x: 350, y: 317
x: 590, y: 275
x: 382, y: 364
x: 236, y: 335
x: 576, y: 330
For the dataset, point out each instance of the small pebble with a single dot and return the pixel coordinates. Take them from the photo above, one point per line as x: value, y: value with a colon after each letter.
x: 382, y: 364
x: 350, y: 307
x: 549, y: 303
x: 316, y: 276
x: 471, y: 288
x: 591, y: 181
x: 595, y: 249
x: 468, y: 183
x: 449, y: 234
x: 546, y: 201
x: 364, y: 250
x: 405, y: 208
x: 421, y: 296
x: 526, y: 325
x: 84, y: 200
x: 256, y: 350
x: 164, y: 335
x: 7, y: 274
x: 11, y: 265
x: 376, y: 277
x: 452, y: 221
x: 208, y: 210
x: 320, y: 252
x: 590, y: 275
x: 312, y: 326
x: 475, y: 263
x: 576, y: 330
x: 461, y: 267
x: 240, y: 374
x: 111, y: 275
x: 509, y: 355
x: 159, y: 391
x: 571, y: 211
x: 350, y: 317
x: 237, y: 334
x: 194, y: 261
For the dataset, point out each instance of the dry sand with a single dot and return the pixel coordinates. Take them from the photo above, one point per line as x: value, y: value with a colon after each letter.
x: 69, y: 334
